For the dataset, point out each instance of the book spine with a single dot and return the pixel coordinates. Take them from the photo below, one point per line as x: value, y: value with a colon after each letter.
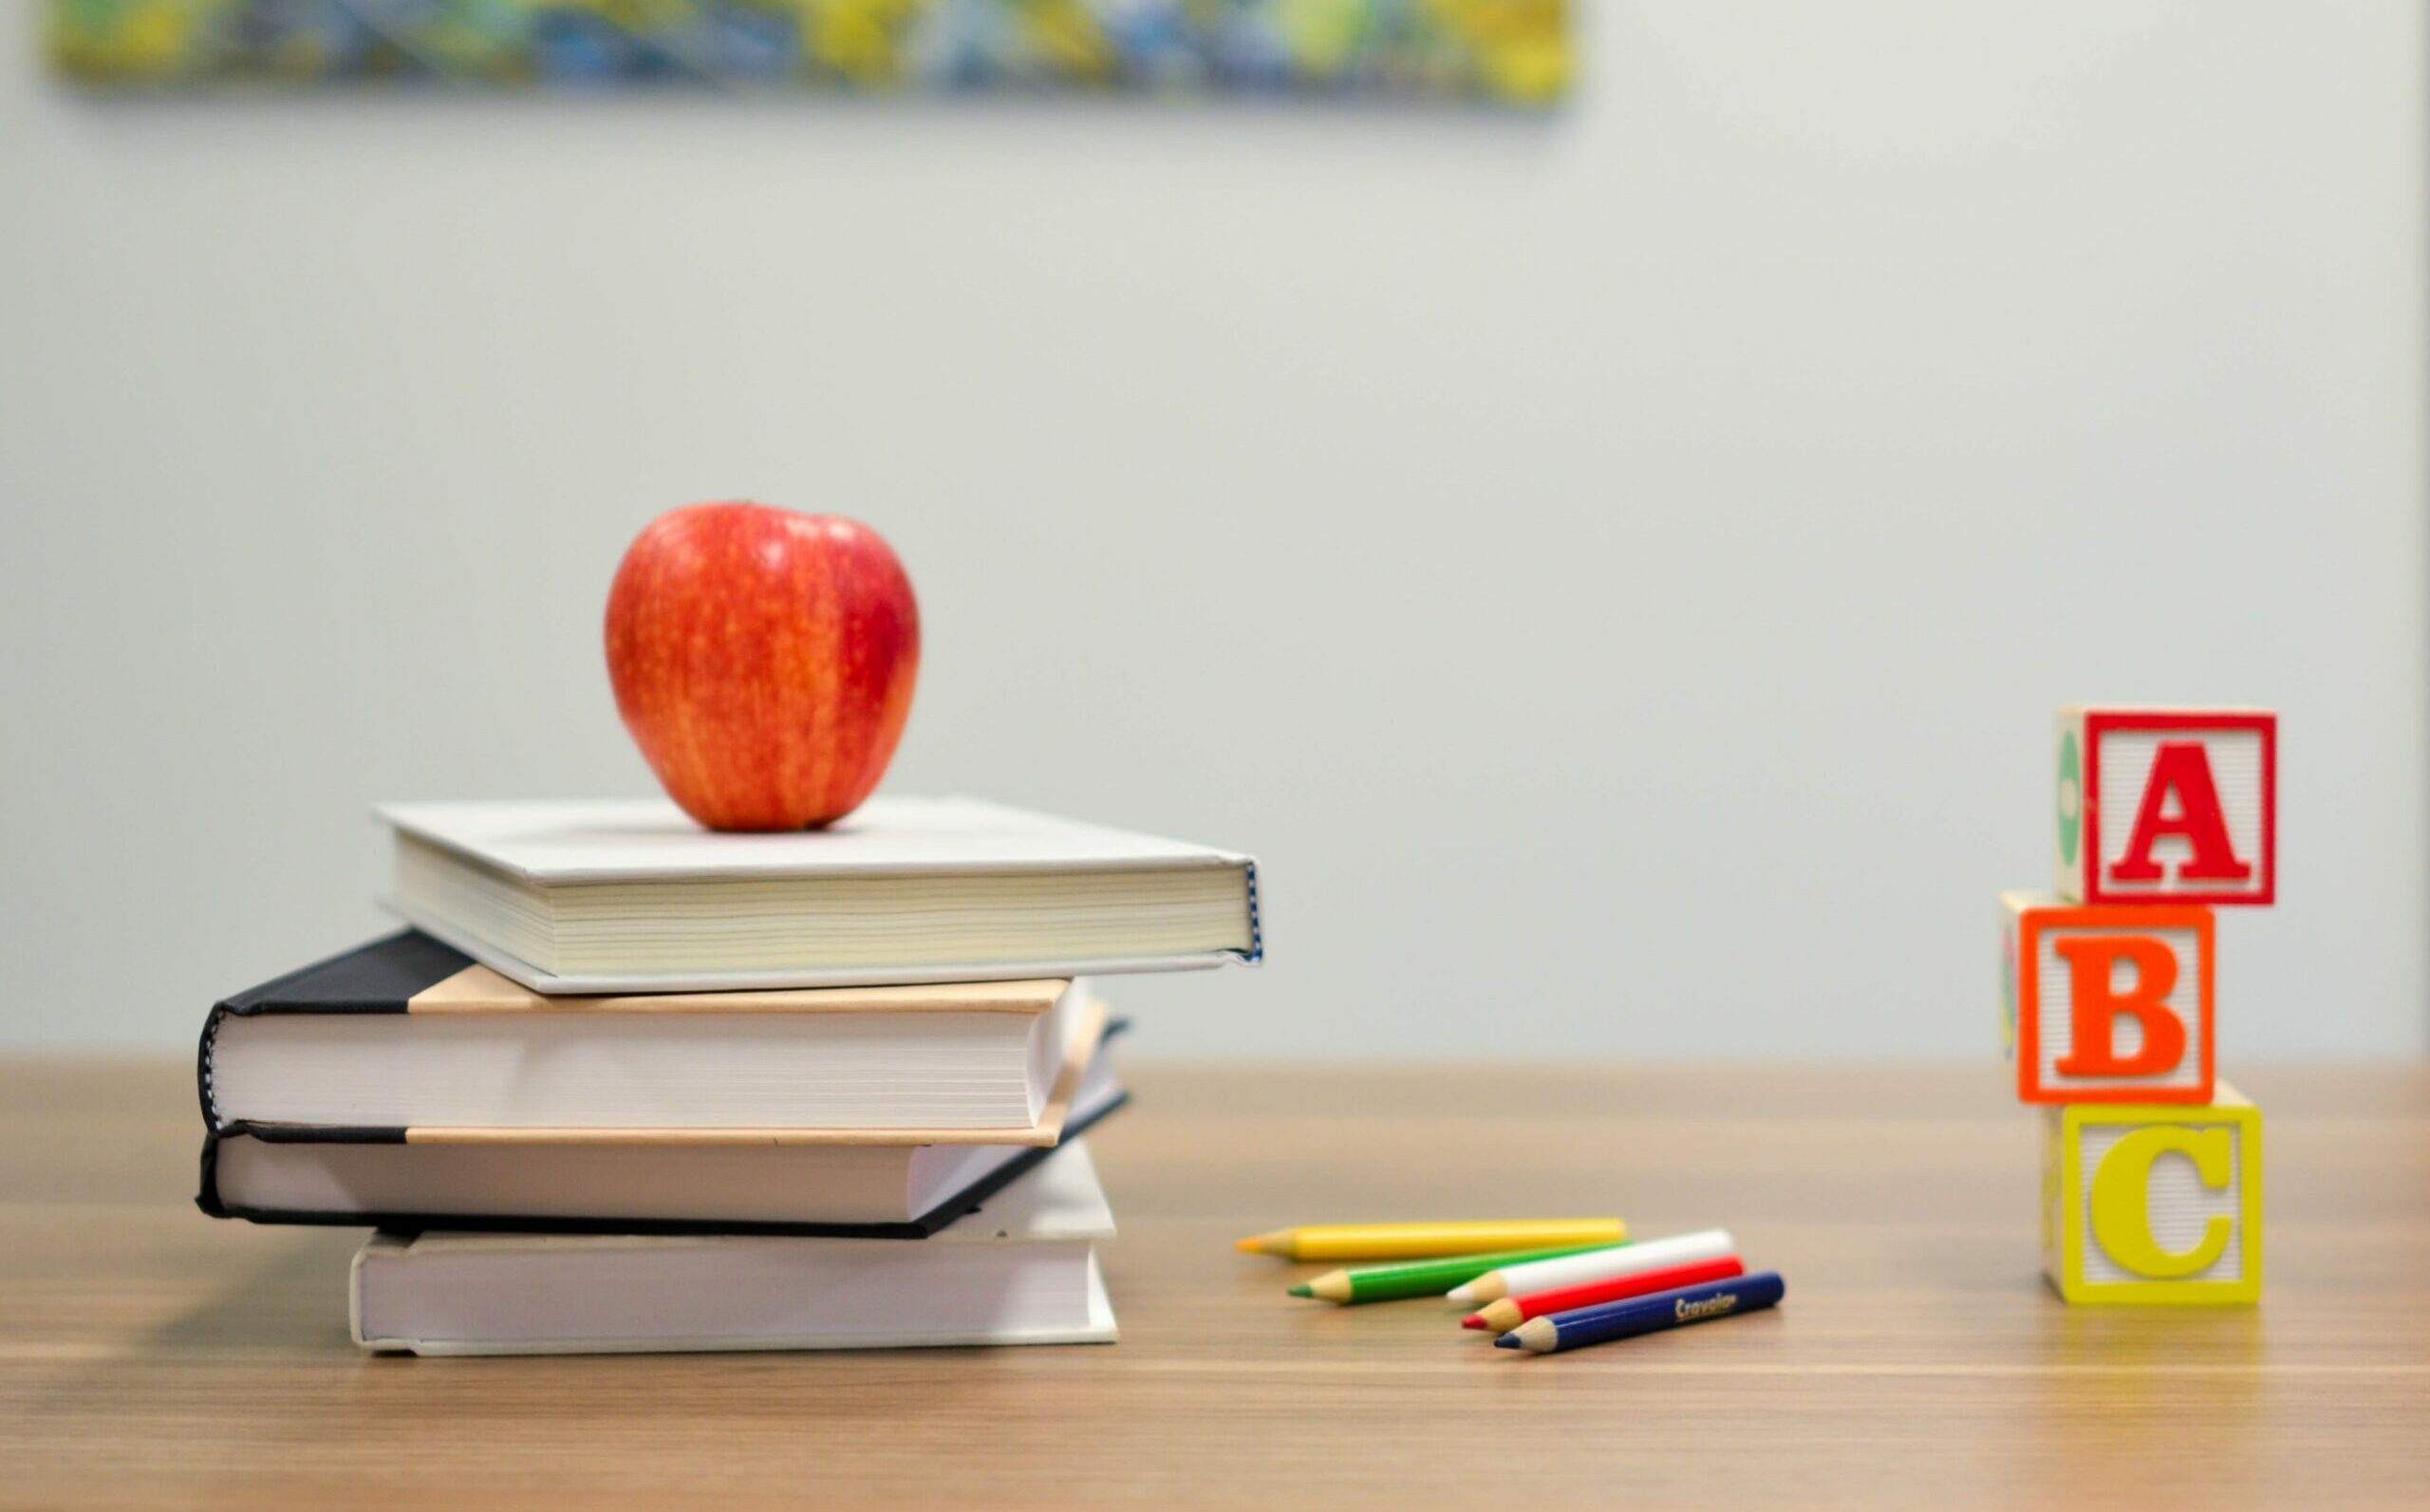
x: 219, y: 1011
x: 1257, y: 924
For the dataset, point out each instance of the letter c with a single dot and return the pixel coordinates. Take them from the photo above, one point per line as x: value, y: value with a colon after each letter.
x: 2121, y: 1219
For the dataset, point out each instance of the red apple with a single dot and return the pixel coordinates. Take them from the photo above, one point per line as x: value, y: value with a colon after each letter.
x: 763, y: 660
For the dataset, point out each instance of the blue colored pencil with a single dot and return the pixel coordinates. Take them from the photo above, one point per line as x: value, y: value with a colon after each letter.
x: 1630, y: 1317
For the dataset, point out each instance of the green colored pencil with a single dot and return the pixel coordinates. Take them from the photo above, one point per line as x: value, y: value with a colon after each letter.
x: 1426, y: 1277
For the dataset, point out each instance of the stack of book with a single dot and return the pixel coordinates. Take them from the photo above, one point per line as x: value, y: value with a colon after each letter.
x: 629, y: 1084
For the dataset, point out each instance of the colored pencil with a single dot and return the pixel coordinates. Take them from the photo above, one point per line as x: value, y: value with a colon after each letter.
x: 1392, y: 1241
x: 1426, y: 1277
x: 1576, y: 1270
x: 1645, y: 1315
x: 1507, y: 1313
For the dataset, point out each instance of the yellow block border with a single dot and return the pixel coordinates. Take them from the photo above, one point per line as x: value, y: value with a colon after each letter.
x: 2230, y: 1108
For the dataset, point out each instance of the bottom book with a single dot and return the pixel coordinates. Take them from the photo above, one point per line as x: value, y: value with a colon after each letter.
x: 1021, y: 1270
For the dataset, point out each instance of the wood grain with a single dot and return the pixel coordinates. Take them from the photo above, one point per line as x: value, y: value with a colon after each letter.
x: 152, y: 1358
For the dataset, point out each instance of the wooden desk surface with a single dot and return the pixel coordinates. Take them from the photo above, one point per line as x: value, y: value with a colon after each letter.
x: 150, y: 1357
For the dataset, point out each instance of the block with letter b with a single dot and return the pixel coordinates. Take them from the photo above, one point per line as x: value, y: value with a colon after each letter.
x: 2109, y: 1005
x: 2154, y: 1204
x: 2168, y: 805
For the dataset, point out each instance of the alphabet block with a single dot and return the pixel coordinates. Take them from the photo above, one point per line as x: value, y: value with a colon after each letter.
x: 2107, y: 1004
x: 2168, y: 805
x: 2154, y: 1205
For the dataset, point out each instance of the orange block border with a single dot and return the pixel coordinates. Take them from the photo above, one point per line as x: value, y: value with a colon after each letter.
x: 2032, y: 922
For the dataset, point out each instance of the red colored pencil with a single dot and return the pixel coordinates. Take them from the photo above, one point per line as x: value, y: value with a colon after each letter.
x: 1501, y: 1317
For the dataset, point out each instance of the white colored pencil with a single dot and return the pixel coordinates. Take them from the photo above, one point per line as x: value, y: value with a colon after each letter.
x: 1595, y: 1266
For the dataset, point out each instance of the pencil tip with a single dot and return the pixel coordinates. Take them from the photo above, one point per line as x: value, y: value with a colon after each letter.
x: 1473, y: 1321
x: 1250, y: 1246
x: 1509, y: 1341
x: 1461, y: 1295
x: 1303, y: 1289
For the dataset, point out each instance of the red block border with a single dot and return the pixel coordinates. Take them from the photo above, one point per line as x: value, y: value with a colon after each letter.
x: 2100, y: 722
x: 2143, y: 916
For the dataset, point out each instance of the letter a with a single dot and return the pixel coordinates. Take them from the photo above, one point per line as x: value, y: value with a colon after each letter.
x: 2182, y: 767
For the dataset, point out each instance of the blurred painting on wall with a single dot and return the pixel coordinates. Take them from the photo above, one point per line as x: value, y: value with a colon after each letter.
x: 1505, y: 51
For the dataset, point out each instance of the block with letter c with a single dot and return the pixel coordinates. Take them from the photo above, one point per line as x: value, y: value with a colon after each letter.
x: 2159, y: 1204
x: 2109, y: 1004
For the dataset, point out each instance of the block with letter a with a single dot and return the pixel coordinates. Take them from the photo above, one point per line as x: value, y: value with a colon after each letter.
x: 2167, y: 805
x: 2154, y: 1204
x: 2109, y: 1004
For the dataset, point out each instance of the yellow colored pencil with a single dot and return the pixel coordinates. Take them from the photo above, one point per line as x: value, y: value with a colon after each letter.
x: 1388, y: 1242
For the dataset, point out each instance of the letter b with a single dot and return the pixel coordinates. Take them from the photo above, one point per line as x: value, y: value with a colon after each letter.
x: 2096, y: 1006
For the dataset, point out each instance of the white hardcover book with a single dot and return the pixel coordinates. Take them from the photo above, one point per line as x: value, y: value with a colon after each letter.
x: 1022, y: 1270
x: 632, y: 896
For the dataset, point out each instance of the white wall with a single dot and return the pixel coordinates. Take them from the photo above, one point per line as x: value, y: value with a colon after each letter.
x: 1616, y: 569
